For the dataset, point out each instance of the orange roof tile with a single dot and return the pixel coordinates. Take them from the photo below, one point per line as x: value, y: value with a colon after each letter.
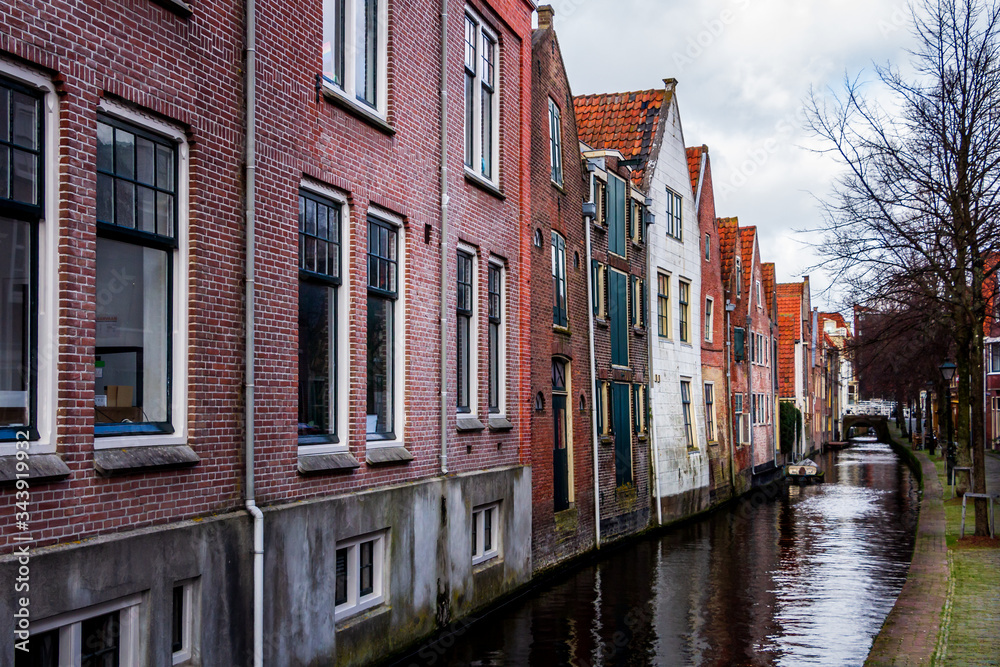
x: 747, y: 236
x: 627, y: 122
x: 694, y: 165
x: 727, y: 245
x: 767, y: 269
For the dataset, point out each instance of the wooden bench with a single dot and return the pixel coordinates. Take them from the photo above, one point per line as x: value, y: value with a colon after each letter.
x: 991, y: 498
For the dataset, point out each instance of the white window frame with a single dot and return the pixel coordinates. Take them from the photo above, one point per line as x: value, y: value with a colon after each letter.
x: 675, y: 216
x: 180, y: 260
x: 501, y: 341
x: 477, y: 109
x: 343, y: 351
x: 399, y: 331
x: 473, y: 332
x: 760, y: 304
x: 479, y: 555
x: 356, y: 603
x: 47, y: 359
x: 710, y: 415
x: 191, y: 619
x: 990, y: 346
x: 709, y: 319
x: 347, y: 92
x: 555, y: 143
x: 69, y: 626
x: 682, y: 308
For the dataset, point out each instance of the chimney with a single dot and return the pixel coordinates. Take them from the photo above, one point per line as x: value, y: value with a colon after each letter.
x: 670, y: 84
x: 545, y: 14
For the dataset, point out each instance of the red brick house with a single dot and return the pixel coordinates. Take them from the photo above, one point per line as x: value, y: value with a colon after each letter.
x: 991, y: 365
x: 795, y: 379
x: 562, y: 471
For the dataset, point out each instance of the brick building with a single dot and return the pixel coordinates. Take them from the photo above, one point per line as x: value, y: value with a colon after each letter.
x: 562, y: 471
x: 991, y: 365
x: 714, y: 362
x: 795, y: 379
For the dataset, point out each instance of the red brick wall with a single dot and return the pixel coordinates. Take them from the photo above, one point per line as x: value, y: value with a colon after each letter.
x: 188, y: 73
x: 558, y: 209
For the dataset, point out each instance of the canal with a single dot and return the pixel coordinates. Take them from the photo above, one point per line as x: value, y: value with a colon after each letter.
x: 796, y: 576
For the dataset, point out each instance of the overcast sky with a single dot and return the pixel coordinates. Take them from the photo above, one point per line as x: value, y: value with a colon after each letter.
x: 744, y: 69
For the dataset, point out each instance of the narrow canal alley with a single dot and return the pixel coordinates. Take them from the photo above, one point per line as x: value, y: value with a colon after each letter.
x: 796, y: 576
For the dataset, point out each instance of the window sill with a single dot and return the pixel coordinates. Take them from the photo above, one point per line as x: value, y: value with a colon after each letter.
x: 500, y: 423
x: 558, y: 186
x: 641, y: 437
x: 41, y: 468
x: 182, y: 9
x: 466, y: 423
x: 356, y: 109
x: 486, y: 563
x: 131, y: 460
x: 557, y: 328
x: 310, y: 464
x: 386, y: 455
x: 607, y: 439
x: 713, y: 443
x: 639, y: 331
x: 600, y: 225
x: 601, y: 321
x: 483, y: 184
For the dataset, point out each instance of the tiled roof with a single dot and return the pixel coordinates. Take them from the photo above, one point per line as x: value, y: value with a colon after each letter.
x: 694, y: 165
x: 727, y: 245
x: 627, y: 122
x: 789, y: 330
x: 747, y: 235
x: 767, y: 269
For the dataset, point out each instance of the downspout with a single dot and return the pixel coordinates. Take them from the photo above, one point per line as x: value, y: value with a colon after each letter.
x: 649, y: 380
x: 729, y: 399
x: 444, y: 237
x: 589, y: 212
x: 250, y: 339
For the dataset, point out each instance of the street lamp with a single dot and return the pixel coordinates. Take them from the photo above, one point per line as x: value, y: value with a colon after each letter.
x: 948, y: 369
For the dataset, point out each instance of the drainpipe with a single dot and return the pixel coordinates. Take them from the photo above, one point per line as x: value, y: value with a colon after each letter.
x: 444, y: 237
x: 649, y: 371
x: 250, y: 339
x: 729, y: 399
x: 589, y: 213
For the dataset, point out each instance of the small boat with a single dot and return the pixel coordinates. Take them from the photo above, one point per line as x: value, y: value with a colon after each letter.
x: 837, y: 444
x: 804, y: 472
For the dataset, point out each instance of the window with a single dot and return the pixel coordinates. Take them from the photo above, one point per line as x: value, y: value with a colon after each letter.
x: 481, y: 101
x: 618, y: 315
x: 615, y: 215
x: 709, y: 315
x: 137, y: 243
x: 636, y: 227
x: 640, y: 407
x: 599, y: 284
x: 497, y: 340
x: 354, y: 47
x: 663, y: 301
x: 675, y: 228
x: 739, y: 276
x: 319, y: 280
x: 994, y: 364
x: 182, y: 622
x: 555, y: 142
x: 21, y: 214
x: 599, y: 407
x: 559, y: 318
x: 684, y: 308
x: 601, y: 201
x: 485, y: 533
x: 360, y: 574
x: 105, y: 634
x: 466, y: 334
x: 739, y: 343
x: 708, y: 248
x: 740, y: 417
x: 760, y: 304
x: 686, y: 405
x: 383, y: 270
x: 637, y: 302
x: 709, y: 411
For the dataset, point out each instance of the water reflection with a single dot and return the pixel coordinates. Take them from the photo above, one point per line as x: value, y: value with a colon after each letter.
x: 800, y: 576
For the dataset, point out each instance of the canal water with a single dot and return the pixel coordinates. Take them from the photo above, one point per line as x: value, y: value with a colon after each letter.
x: 797, y: 576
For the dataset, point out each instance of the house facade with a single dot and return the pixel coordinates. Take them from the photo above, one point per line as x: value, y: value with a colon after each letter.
x: 795, y: 378
x: 991, y: 363
x: 562, y: 470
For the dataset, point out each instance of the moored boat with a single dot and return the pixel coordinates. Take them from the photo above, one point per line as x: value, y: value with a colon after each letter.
x: 803, y: 472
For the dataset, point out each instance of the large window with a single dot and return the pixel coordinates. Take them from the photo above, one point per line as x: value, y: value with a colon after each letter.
x: 640, y: 408
x: 709, y: 411
x: 481, y: 99
x: 637, y: 302
x: 360, y: 574
x: 466, y: 299
x: 354, y: 36
x: 555, y: 142
x: 383, y: 284
x: 994, y: 364
x: 496, y: 340
x: 319, y: 278
x: 485, y: 533
x: 686, y: 409
x: 599, y: 285
x: 559, y: 317
x: 615, y: 215
x: 675, y: 228
x: 636, y: 224
x: 21, y: 213
x: 684, y: 309
x: 103, y: 635
x: 663, y: 301
x: 137, y: 202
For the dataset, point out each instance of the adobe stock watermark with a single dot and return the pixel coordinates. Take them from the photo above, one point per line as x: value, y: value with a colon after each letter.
x: 712, y: 30
x: 22, y: 522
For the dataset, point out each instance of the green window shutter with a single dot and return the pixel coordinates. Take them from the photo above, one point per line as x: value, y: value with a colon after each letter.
x: 616, y: 215
x: 618, y: 312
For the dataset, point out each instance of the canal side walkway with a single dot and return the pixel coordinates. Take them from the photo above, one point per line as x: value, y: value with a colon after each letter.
x: 948, y: 612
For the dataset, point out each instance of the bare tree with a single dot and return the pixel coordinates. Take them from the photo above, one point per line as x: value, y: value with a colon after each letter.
x: 916, y: 213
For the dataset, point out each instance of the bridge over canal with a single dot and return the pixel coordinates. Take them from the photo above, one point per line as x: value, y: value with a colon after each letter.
x: 878, y: 422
